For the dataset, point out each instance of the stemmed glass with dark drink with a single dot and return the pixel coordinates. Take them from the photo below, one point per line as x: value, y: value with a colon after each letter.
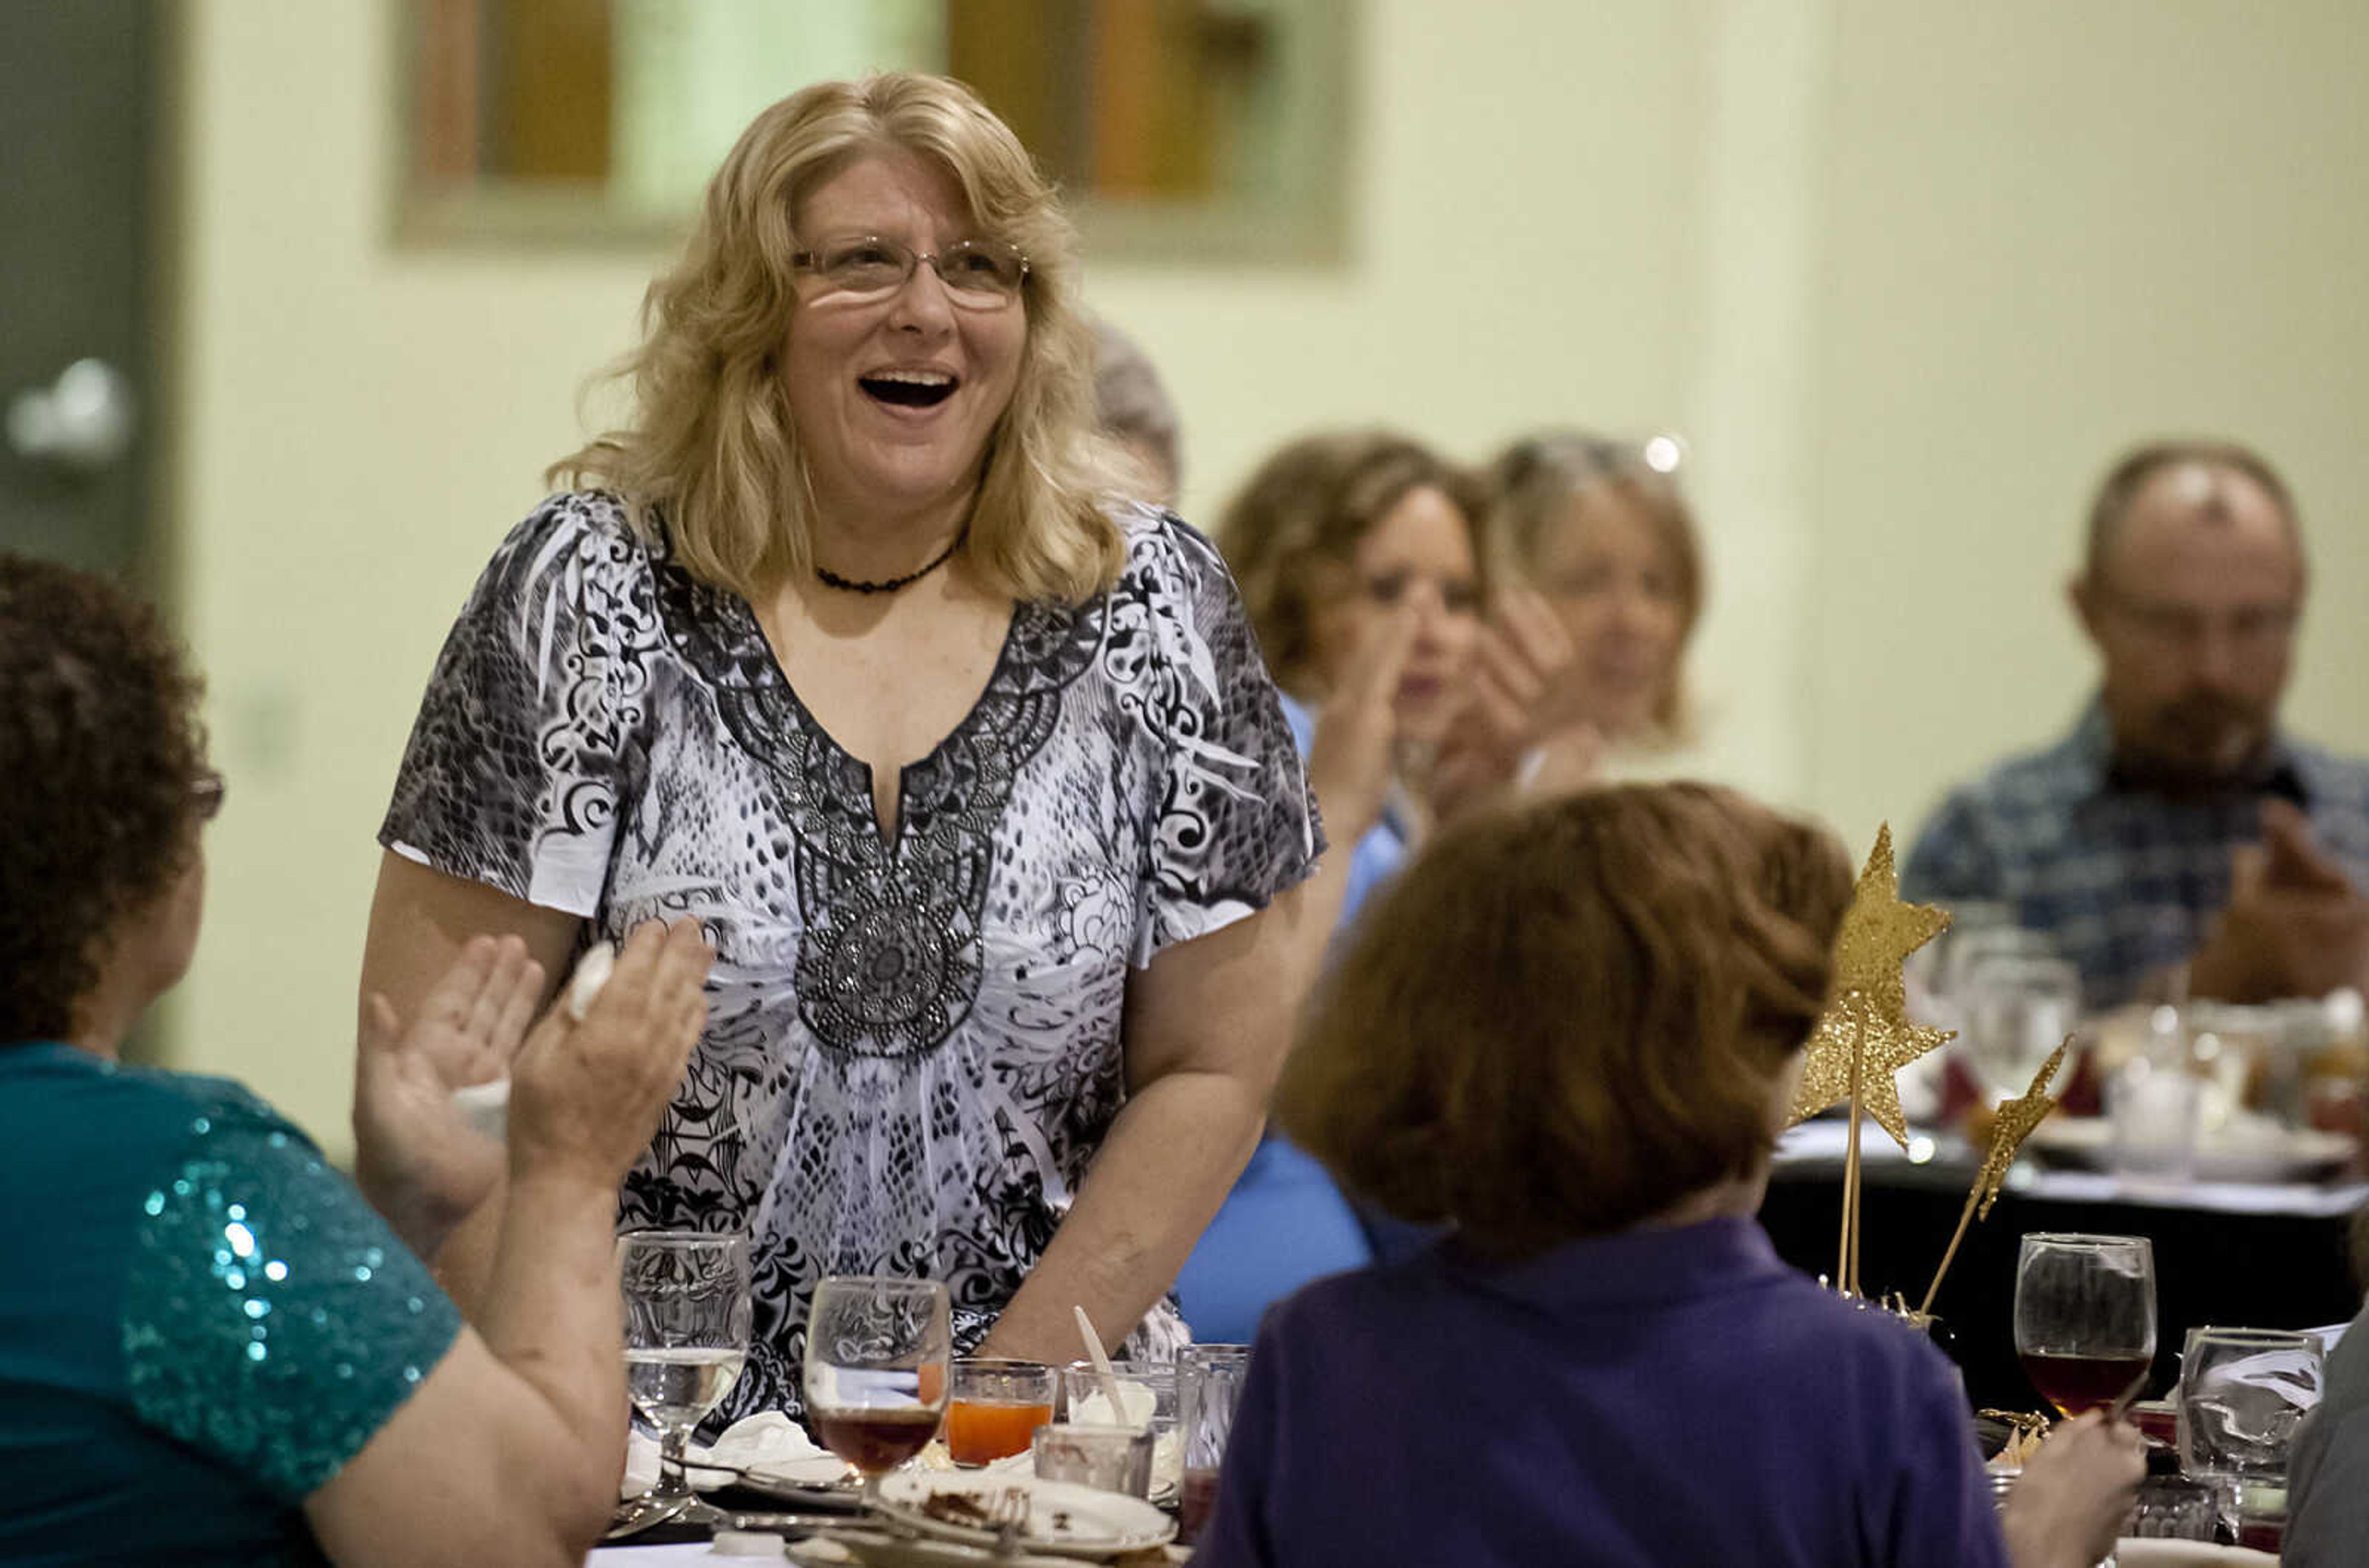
x: 878, y: 1351
x: 2085, y: 1319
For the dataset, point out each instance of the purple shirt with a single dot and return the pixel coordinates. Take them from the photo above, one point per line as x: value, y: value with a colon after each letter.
x: 1657, y: 1396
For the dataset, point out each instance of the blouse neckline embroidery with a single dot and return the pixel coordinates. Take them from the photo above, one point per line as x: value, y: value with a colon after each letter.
x: 893, y: 953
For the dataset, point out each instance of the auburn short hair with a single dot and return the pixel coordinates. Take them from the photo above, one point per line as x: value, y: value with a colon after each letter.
x: 1563, y: 1019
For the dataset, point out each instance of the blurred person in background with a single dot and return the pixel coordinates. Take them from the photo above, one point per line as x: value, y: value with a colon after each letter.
x: 1607, y: 541
x: 1353, y: 548
x: 2178, y: 825
x: 1361, y: 571
x: 1136, y: 412
x: 862, y: 652
x: 2328, y: 1477
x: 219, y: 1352
x: 1569, y: 1033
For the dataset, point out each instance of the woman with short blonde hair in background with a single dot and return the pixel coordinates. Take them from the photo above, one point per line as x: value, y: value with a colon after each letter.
x: 1609, y: 542
x: 861, y: 653
x: 1569, y: 1034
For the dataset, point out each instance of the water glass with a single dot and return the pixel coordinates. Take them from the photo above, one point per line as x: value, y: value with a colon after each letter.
x: 1148, y: 1391
x: 1113, y: 1458
x: 686, y: 1301
x: 995, y: 1408
x: 1209, y: 1385
x: 2017, y: 1007
x: 876, y: 1368
x: 2173, y: 1507
x: 2085, y: 1318
x: 2243, y: 1393
x: 2154, y: 1104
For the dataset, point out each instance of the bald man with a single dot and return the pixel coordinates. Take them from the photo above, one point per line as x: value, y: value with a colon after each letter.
x: 2177, y: 833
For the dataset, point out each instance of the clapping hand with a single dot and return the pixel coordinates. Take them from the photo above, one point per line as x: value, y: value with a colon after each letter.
x: 1354, y: 757
x: 586, y: 1094
x: 418, y: 1158
x: 1520, y: 730
x: 2295, y: 925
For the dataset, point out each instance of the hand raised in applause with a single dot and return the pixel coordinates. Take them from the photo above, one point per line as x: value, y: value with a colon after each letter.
x: 1354, y: 757
x: 584, y: 1097
x: 417, y: 1158
x: 1520, y: 730
x: 2295, y: 925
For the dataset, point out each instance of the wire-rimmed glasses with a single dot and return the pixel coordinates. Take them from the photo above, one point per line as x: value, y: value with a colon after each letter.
x: 981, y: 273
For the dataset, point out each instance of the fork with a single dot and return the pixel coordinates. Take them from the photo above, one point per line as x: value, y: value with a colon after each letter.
x: 1007, y: 1515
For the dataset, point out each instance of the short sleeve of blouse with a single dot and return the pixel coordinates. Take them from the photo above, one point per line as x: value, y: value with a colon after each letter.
x: 1236, y: 823
x: 271, y: 1320
x: 513, y: 771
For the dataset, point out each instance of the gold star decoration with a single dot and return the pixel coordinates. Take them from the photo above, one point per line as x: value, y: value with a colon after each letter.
x: 1868, y: 1017
x: 2016, y: 1119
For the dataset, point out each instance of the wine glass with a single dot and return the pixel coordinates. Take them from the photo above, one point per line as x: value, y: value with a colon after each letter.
x: 2017, y: 1008
x: 878, y: 1351
x: 2085, y: 1318
x: 686, y: 1338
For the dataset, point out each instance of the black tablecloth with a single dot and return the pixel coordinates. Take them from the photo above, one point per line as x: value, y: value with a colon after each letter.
x: 2259, y: 1270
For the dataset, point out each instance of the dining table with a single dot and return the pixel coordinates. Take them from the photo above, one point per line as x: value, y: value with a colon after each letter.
x: 2258, y: 1255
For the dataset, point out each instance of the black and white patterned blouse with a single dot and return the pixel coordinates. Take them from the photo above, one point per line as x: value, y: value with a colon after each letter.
x: 913, y: 1048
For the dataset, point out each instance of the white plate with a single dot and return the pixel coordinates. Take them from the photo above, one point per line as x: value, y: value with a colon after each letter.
x: 1064, y: 1520
x: 839, y: 1545
x: 2279, y: 1156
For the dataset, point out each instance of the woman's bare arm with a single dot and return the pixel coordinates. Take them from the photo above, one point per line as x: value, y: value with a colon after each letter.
x: 510, y: 1449
x: 1206, y: 1025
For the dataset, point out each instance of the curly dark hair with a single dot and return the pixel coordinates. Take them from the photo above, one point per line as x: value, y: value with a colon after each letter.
x: 101, y: 753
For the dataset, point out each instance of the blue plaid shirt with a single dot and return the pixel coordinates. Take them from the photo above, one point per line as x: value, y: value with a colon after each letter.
x: 2126, y: 881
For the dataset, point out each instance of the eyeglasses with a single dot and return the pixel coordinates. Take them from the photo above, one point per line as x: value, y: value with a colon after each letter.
x: 2251, y: 628
x: 979, y: 273
x: 206, y: 795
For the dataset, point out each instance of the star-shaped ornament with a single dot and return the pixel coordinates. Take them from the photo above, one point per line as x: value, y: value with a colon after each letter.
x: 1868, y: 1017
x: 2016, y: 1119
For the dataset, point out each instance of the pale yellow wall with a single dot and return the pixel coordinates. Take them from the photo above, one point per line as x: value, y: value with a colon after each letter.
x: 2054, y: 228
x: 1905, y: 273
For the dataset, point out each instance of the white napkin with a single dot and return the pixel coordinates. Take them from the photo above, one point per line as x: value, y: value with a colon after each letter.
x: 769, y: 1441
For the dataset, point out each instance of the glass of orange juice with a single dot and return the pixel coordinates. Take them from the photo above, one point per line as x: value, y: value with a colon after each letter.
x: 996, y: 1407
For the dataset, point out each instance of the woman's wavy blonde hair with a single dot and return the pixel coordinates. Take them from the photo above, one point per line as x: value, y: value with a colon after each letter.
x: 714, y: 456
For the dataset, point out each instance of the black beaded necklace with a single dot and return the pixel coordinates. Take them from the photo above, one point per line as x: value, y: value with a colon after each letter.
x: 853, y: 585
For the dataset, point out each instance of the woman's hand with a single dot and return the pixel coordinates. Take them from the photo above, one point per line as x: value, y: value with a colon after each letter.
x: 2075, y: 1494
x: 585, y: 1098
x: 1353, y: 758
x: 1520, y: 729
x: 417, y: 1158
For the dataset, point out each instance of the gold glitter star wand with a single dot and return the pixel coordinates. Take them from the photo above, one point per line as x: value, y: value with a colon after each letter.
x: 2016, y: 1119
x: 1864, y: 1036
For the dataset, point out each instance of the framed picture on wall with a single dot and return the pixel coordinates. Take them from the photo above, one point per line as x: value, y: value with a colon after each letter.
x: 1201, y: 130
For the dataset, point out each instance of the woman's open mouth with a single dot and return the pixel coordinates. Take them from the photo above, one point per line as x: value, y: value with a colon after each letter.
x: 909, y: 389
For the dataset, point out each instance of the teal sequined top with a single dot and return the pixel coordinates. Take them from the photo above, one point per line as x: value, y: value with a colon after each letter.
x: 203, y: 1323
